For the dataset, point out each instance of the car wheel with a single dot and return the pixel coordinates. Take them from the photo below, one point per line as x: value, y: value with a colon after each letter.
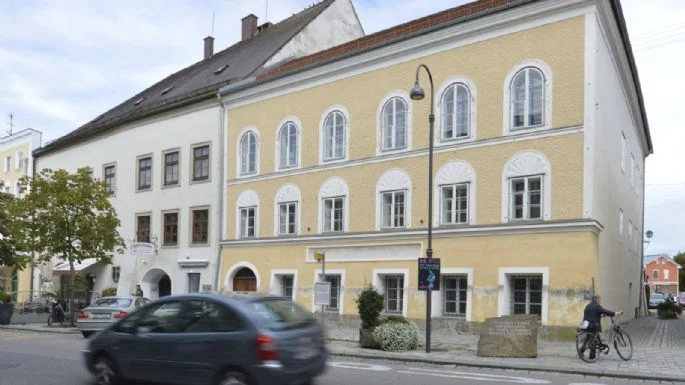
x: 233, y: 378
x: 105, y: 372
x: 87, y: 334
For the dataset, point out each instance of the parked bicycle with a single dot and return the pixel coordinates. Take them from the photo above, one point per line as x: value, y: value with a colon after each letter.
x: 587, y: 341
x: 58, y: 315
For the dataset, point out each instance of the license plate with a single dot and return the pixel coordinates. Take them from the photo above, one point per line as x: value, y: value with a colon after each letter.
x: 101, y: 316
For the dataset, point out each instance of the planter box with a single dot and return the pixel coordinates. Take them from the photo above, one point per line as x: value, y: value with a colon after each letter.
x: 366, y: 339
x: 6, y: 310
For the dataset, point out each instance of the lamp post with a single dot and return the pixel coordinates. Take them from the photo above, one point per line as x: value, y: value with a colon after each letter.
x: 648, y: 234
x: 417, y: 93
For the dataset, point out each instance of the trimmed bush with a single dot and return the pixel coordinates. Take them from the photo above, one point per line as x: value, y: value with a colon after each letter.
x: 109, y: 292
x: 668, y: 310
x: 394, y: 318
x: 4, y: 297
x: 397, y: 336
x: 370, y: 306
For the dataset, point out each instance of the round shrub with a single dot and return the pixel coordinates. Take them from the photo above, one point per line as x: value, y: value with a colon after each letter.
x: 396, y: 336
x: 4, y: 297
x: 668, y: 310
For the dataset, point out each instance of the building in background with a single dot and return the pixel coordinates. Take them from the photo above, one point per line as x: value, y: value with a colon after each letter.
x: 540, y: 142
x: 662, y: 274
x: 16, y: 161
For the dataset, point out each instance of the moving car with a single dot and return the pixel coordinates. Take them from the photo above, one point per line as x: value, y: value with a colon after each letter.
x: 105, y: 311
x: 211, y: 339
x: 681, y: 298
x: 655, y: 299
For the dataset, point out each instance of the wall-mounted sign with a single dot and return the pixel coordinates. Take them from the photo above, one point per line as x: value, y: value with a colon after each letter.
x: 429, y: 274
x: 322, y: 293
x: 143, y: 248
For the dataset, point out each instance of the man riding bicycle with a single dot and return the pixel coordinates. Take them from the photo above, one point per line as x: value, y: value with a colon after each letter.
x: 593, y: 314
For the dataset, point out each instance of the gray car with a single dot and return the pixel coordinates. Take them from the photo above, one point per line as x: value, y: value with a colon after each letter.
x: 211, y: 339
x: 105, y: 311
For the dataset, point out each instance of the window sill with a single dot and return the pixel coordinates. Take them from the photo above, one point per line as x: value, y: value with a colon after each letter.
x: 524, y: 130
x: 176, y: 246
x: 168, y: 186
x: 332, y: 161
x: 200, y: 181
x: 146, y: 189
x: 199, y: 244
x: 447, y: 141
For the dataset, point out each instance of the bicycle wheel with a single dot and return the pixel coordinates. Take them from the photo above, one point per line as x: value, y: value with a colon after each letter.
x: 50, y: 320
x: 585, y: 343
x: 623, y: 345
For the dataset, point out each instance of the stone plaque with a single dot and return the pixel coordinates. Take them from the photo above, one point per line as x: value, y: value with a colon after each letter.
x: 509, y: 336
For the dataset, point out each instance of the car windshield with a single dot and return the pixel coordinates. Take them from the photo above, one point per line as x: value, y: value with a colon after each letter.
x: 657, y: 296
x: 112, y: 302
x: 281, y: 313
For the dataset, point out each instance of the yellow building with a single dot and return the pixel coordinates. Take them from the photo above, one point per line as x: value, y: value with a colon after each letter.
x: 15, y: 162
x: 540, y: 140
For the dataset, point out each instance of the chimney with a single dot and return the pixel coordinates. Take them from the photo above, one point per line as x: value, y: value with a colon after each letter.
x: 249, y: 26
x: 209, y: 47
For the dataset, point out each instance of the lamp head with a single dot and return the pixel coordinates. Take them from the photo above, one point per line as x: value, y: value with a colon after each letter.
x: 649, y: 234
x: 417, y: 92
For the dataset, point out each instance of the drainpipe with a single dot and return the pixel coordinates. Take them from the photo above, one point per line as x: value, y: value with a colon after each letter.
x: 33, y: 249
x: 642, y: 244
x: 222, y: 181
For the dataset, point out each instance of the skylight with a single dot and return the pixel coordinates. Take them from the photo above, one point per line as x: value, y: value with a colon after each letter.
x: 167, y: 90
x: 220, y: 69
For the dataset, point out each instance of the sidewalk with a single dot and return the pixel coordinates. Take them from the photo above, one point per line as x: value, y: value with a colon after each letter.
x: 658, y: 346
x: 41, y: 328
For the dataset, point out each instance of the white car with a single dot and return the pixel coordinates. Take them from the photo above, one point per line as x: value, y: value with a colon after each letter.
x: 106, y: 311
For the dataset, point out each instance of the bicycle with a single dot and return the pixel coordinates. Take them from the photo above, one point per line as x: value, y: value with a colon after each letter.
x: 59, y: 315
x: 586, y: 341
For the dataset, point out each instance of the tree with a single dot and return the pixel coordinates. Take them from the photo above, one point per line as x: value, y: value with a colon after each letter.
x: 67, y: 216
x: 680, y: 259
x: 8, y: 246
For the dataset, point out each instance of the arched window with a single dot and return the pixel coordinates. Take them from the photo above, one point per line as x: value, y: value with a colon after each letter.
x: 334, y: 136
x: 527, y: 95
x: 394, y: 123
x: 455, y: 112
x: 248, y: 153
x: 526, y: 187
x: 288, y: 145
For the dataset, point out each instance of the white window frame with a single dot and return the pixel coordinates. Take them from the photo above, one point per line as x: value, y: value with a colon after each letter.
x: 332, y: 213
x: 8, y: 163
x: 455, y: 172
x: 454, y: 210
x: 323, y: 135
x: 380, y: 149
x: 298, y: 144
x: 341, y: 294
x: 291, y: 208
x: 505, y: 293
x: 526, y: 198
x: 526, y: 164
x: 395, y: 179
x: 20, y: 160
x: 17, y: 189
x: 288, y: 193
x: 437, y: 296
x: 472, y: 115
x: 546, y: 71
x: 379, y: 282
x: 199, y: 283
x: 393, y: 215
x: 275, y: 284
x: 244, y: 225
x: 331, y: 188
x: 111, y: 189
x: 247, y: 198
x: 666, y: 274
x: 239, y: 161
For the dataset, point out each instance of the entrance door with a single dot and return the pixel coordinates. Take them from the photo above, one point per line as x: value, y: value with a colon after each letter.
x: 244, y: 280
x: 164, y: 286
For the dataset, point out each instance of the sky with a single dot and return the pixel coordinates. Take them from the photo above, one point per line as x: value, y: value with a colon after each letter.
x: 64, y: 63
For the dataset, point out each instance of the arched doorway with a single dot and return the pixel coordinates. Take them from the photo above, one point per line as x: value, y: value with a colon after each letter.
x: 155, y: 283
x: 164, y: 286
x: 244, y: 280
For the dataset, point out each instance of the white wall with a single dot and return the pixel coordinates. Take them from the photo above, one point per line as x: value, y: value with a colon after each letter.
x: 180, y: 130
x: 336, y: 25
x: 608, y: 115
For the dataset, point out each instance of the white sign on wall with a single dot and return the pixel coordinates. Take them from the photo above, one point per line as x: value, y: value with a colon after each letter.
x: 322, y: 293
x: 143, y: 248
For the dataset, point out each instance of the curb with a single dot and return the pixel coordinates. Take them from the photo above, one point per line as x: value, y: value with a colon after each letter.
x: 485, y: 365
x: 66, y: 331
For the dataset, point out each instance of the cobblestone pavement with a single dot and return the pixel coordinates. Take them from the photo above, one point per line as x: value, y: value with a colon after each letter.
x: 658, y: 346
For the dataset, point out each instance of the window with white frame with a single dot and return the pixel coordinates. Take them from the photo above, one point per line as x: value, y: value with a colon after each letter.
x: 394, y: 124
x: 526, y: 293
x: 8, y: 163
x: 334, y: 127
x: 334, y: 303
x: 288, y: 145
x: 526, y: 198
x: 17, y: 189
x: 287, y: 285
x: 527, y: 95
x: 116, y: 273
x: 110, y: 178
x: 248, y: 153
x: 454, y: 204
x: 7, y: 189
x: 666, y: 272
x: 287, y: 218
x: 623, y: 151
x: 247, y: 221
x: 393, y: 212
x: 393, y: 293
x: 620, y: 221
x: 333, y: 214
x: 455, y: 116
x: 20, y: 160
x: 454, y: 289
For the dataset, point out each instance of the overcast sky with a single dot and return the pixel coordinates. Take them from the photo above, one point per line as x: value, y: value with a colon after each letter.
x: 64, y: 63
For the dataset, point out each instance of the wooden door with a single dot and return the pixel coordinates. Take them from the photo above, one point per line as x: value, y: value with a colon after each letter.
x: 244, y: 284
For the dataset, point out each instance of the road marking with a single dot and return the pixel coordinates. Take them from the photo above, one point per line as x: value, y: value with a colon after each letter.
x: 472, y: 376
x: 358, y: 366
x: 586, y: 383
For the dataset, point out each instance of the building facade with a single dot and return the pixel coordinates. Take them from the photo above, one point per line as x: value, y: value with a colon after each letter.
x: 161, y: 154
x: 16, y: 161
x: 540, y: 140
x: 663, y: 275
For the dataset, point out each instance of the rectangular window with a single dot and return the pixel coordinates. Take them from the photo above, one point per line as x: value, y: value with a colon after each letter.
x: 620, y: 221
x: 393, y: 209
x: 655, y: 274
x: 200, y: 226
x: 666, y: 274
x: 333, y: 214
x: 193, y: 282
x: 144, y: 173
x: 8, y: 162
x: 170, y: 229
x: 526, y: 198
x: 394, y: 293
x: 287, y: 218
x: 526, y: 294
x: 632, y: 170
x: 287, y: 285
x: 110, y: 179
x: 171, y: 160
x: 454, y: 295
x: 334, y: 304
x: 201, y: 163
x: 247, y: 221
x: 116, y: 273
x: 143, y: 228
x: 630, y: 233
x: 623, y: 152
x: 20, y: 160
x: 454, y: 204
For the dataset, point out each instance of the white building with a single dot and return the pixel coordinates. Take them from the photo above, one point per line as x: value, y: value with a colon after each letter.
x: 162, y: 153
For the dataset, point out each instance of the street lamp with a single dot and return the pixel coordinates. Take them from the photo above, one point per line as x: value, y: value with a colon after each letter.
x: 417, y: 93
x: 649, y: 234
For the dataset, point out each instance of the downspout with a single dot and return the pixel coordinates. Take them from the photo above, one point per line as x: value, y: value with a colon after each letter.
x: 222, y: 179
x: 33, y: 249
x: 642, y: 244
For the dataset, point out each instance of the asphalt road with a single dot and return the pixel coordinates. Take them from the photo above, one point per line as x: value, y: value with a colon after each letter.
x: 30, y: 358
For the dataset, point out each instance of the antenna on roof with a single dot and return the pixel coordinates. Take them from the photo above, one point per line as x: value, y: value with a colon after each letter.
x: 11, y: 124
x: 266, y: 11
x: 213, y: 14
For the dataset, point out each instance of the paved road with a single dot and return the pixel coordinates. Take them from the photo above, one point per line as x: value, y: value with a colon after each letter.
x: 30, y: 358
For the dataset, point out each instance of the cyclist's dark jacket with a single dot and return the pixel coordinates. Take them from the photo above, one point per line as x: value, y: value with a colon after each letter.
x: 593, y: 314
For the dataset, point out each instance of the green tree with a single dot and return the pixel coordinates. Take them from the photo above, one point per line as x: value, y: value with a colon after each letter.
x: 8, y: 246
x: 680, y: 259
x: 67, y: 216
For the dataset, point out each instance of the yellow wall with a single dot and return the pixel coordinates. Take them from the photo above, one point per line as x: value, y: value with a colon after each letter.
x: 14, y: 174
